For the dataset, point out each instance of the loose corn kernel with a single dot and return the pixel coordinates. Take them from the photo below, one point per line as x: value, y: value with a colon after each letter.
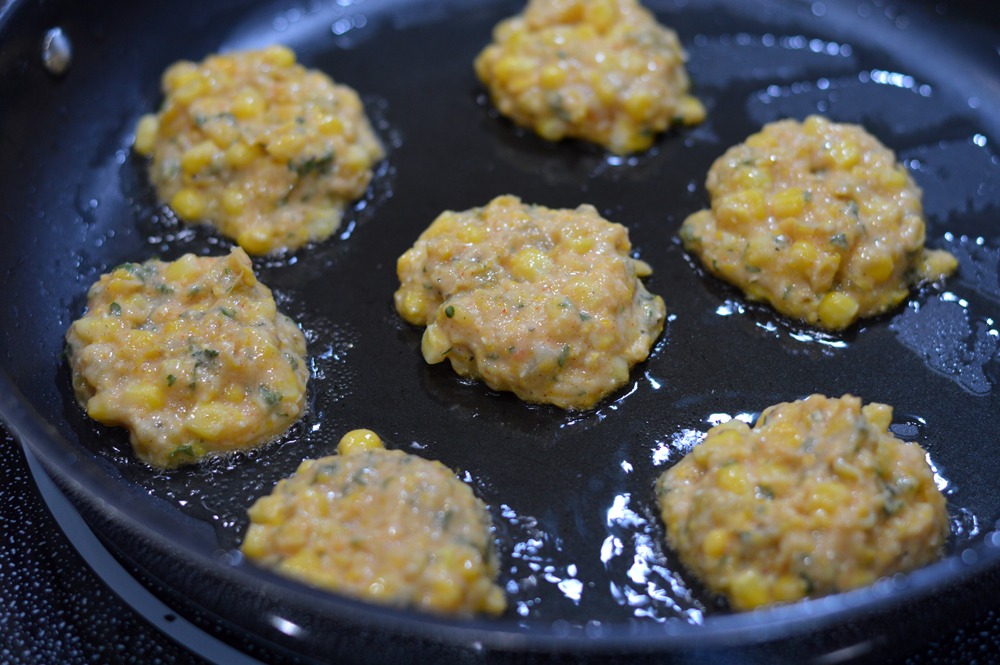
x: 837, y: 310
x: 935, y: 264
x: 198, y: 157
x: 145, y: 134
x: 788, y: 202
x: 530, y: 264
x: 188, y: 204
x: 359, y: 440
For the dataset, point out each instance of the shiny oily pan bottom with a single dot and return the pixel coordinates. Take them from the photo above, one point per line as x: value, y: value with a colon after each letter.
x: 571, y: 494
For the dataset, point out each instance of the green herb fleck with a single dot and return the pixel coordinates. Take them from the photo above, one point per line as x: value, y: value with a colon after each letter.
x: 182, y: 450
x: 171, y: 379
x: 852, y: 208
x: 228, y: 313
x: 449, y: 311
x: 271, y: 397
x: 840, y: 240
x: 312, y: 165
x: 564, y: 356
x: 115, y: 309
x: 750, y: 268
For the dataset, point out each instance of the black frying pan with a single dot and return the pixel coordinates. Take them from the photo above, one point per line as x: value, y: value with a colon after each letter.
x: 571, y: 493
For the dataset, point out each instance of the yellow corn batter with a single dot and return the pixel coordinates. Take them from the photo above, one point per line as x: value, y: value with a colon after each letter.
x: 544, y: 303
x: 263, y: 149
x: 817, y: 498
x: 600, y: 70
x: 190, y: 356
x: 817, y: 219
x: 382, y: 526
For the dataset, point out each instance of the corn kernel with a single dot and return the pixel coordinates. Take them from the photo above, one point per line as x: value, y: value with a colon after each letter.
x: 600, y: 14
x: 331, y: 125
x: 359, y: 440
x: 208, y: 421
x: 748, y: 590
x: 234, y: 393
x: 240, y: 154
x: 880, y: 268
x: 690, y: 110
x: 188, y: 204
x: 733, y: 478
x: 845, y: 155
x: 789, y: 587
x: 278, y: 55
x: 828, y: 496
x: 551, y: 129
x: 256, y: 240
x: 639, y: 105
x: 552, y: 76
x: 715, y: 543
x: 788, y: 202
x: 189, y: 91
x: 182, y: 270
x: 935, y: 264
x: 286, y: 146
x: 255, y: 544
x: 144, y: 396
x: 198, y: 157
x: 355, y: 158
x: 741, y: 208
x: 530, y: 264
x: 145, y: 134
x: 433, y: 344
x: 232, y: 201
x: 470, y: 233
x: 248, y: 104
x: 802, y: 255
x: 837, y: 310
x: 103, y: 409
x: 878, y: 415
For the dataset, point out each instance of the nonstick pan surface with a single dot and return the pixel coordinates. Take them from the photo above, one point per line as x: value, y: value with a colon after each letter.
x: 582, y: 551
